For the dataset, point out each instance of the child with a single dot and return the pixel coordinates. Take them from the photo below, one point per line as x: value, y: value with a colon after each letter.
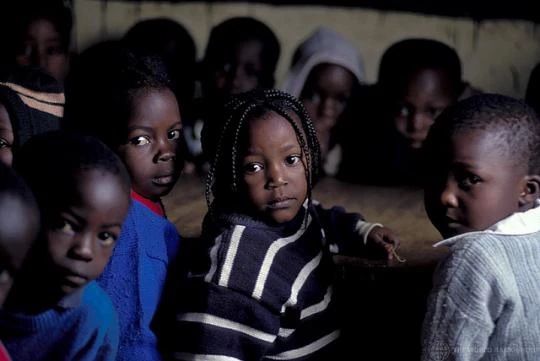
x: 325, y: 72
x: 267, y: 290
x: 482, y: 192
x: 31, y: 102
x: 55, y: 311
x: 19, y: 225
x: 138, y: 117
x: 40, y: 33
x: 417, y: 79
x: 241, y: 55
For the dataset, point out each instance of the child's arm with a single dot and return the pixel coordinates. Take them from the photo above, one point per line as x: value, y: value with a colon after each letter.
x: 348, y: 233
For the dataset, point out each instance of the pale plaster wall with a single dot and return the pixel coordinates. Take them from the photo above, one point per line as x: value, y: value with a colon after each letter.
x: 497, y: 55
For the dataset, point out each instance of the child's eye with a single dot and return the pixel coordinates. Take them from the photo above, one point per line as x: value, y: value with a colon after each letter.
x: 107, y: 238
x: 403, y: 111
x: 252, y: 168
x: 4, y: 143
x: 292, y: 159
x: 468, y: 181
x: 66, y: 227
x: 140, y: 140
x: 174, y: 134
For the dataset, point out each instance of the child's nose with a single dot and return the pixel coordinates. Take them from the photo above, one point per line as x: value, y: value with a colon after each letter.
x: 166, y: 151
x: 419, y: 121
x: 276, y: 176
x: 448, y: 196
x: 83, y: 248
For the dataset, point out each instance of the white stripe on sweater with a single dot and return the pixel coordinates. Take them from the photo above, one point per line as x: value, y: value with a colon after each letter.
x: 308, y: 349
x: 197, y: 357
x: 300, y: 280
x: 269, y: 258
x: 318, y: 307
x: 231, y: 255
x: 213, y: 259
x: 227, y: 324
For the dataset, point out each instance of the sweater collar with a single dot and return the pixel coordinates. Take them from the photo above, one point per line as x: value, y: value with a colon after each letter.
x: 519, y: 223
x: 156, y: 207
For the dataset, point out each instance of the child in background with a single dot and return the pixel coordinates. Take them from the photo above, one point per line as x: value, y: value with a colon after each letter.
x: 241, y: 55
x: 19, y: 226
x: 418, y: 78
x: 482, y: 194
x: 55, y: 311
x: 325, y: 72
x: 31, y: 102
x: 39, y: 35
x: 138, y: 117
x: 267, y: 289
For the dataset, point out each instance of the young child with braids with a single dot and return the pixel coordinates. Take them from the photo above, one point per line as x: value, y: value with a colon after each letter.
x: 266, y: 292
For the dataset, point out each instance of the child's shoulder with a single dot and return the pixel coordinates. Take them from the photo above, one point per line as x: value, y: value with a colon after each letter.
x: 97, y: 306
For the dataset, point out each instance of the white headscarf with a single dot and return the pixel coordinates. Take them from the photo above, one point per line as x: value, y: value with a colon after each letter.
x: 323, y: 46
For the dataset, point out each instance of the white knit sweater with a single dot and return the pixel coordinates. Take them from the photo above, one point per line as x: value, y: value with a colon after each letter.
x: 485, y: 302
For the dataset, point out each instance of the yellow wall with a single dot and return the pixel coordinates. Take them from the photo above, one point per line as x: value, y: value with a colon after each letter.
x: 497, y: 55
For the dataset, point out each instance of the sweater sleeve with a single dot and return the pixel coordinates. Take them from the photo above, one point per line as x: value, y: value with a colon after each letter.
x: 346, y: 232
x: 462, y: 308
x: 215, y: 322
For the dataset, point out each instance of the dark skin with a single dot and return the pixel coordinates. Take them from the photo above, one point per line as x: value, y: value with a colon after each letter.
x: 19, y: 225
x: 43, y: 48
x: 325, y: 96
x: 77, y: 238
x: 274, y: 177
x: 473, y: 185
x: 153, y: 142
x: 242, y: 72
x: 6, y: 137
x: 424, y: 98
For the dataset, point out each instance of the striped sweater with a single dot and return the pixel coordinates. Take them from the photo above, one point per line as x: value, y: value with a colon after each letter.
x: 267, y: 293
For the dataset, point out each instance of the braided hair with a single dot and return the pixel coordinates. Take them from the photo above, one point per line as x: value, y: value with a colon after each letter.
x: 223, y: 179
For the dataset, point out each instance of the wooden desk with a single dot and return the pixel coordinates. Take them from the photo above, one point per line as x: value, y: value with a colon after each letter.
x: 399, y: 208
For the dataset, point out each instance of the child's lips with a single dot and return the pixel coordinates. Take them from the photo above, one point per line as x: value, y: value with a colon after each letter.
x: 281, y: 203
x: 75, y: 279
x: 163, y: 180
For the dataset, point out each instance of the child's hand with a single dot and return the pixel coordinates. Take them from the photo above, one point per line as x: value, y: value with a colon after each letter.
x: 383, y: 238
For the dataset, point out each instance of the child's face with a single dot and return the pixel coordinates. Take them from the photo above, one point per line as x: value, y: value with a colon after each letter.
x: 6, y: 137
x: 19, y: 225
x: 274, y: 170
x: 325, y: 96
x: 81, y: 231
x: 426, y: 96
x: 154, y: 136
x: 472, y: 186
x: 43, y: 48
x: 243, y: 71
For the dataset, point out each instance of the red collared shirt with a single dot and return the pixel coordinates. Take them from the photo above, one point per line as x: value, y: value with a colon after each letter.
x: 156, y: 207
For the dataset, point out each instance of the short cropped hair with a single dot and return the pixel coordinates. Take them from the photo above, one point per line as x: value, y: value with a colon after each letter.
x: 406, y: 57
x: 50, y: 161
x: 515, y: 125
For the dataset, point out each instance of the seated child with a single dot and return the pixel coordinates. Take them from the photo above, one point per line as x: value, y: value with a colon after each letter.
x: 138, y: 117
x: 31, y: 102
x: 482, y: 194
x: 55, y: 311
x: 241, y: 55
x: 267, y: 288
x: 325, y: 72
x: 19, y: 226
x: 39, y: 35
x: 417, y: 79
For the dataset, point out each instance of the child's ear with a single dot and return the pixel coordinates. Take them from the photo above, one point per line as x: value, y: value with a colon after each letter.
x: 530, y: 191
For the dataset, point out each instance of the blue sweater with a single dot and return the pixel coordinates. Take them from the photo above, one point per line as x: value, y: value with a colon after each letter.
x: 86, y: 332
x: 135, y: 277
x: 267, y: 293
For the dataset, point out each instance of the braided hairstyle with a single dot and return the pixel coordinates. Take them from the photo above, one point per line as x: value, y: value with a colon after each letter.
x: 223, y: 178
